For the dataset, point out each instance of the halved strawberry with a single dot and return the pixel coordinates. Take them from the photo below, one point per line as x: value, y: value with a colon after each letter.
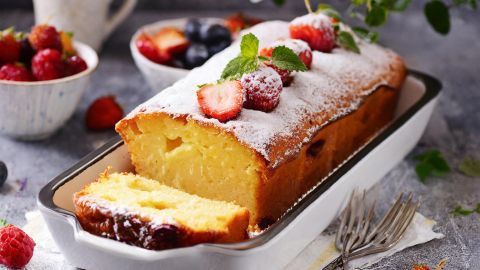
x: 239, y: 21
x: 148, y: 49
x: 221, y: 101
x: 171, y: 40
x: 315, y: 29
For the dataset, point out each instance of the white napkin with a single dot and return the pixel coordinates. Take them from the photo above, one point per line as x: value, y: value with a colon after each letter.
x: 315, y: 256
x: 322, y: 251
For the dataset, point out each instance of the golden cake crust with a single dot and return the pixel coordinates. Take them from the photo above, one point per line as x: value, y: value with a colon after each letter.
x: 324, y: 117
x: 132, y: 227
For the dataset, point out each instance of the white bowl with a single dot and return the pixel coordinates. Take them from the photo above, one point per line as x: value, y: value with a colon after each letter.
x: 160, y: 76
x: 35, y: 110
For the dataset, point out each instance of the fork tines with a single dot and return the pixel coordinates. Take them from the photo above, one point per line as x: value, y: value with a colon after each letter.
x: 357, y: 237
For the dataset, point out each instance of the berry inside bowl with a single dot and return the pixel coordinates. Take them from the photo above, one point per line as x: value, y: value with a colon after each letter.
x: 33, y: 110
x: 167, y: 50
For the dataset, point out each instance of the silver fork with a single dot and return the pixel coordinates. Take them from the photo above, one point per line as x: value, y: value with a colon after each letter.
x: 356, y: 237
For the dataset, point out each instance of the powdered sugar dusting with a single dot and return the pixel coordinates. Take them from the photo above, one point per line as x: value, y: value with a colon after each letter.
x: 296, y: 45
x: 318, y: 21
x: 318, y: 95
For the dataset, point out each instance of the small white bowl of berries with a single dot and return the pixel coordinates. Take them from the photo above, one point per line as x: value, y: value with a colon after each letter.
x: 167, y: 50
x: 43, y: 75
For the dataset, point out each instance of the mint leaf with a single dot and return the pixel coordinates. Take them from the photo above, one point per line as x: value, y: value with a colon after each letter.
x: 366, y: 34
x: 329, y: 11
x: 376, y: 16
x: 431, y: 162
x: 438, y: 16
x: 400, y: 5
x: 3, y: 223
x: 249, y: 46
x: 460, y: 211
x: 470, y: 167
x: 346, y: 40
x: 423, y: 170
x: 279, y: 2
x: 239, y: 66
x: 285, y: 58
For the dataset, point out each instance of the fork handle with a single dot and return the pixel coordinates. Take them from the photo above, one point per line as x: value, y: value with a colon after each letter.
x: 335, y: 264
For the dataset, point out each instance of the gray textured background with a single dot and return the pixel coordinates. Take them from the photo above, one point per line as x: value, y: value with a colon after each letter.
x: 454, y: 128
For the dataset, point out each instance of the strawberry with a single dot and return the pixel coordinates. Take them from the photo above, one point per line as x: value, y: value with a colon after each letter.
x: 299, y: 47
x: 47, y: 64
x: 67, y: 43
x: 221, y: 101
x: 103, y: 113
x: 16, y: 247
x: 11, y: 72
x: 45, y: 37
x: 420, y: 267
x: 239, y: 21
x: 262, y: 89
x: 75, y: 64
x: 9, y: 47
x: 170, y: 40
x: 148, y: 49
x: 315, y: 29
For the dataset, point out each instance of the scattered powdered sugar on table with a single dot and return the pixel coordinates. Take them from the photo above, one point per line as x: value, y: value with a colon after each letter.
x: 319, y: 91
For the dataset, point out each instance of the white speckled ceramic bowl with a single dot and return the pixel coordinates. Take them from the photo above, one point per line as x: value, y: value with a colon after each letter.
x: 160, y: 76
x: 35, y: 110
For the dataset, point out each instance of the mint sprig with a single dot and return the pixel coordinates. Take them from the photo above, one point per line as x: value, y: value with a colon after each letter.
x: 346, y: 40
x: 461, y: 211
x: 285, y: 58
x: 248, y: 60
x: 470, y: 167
x: 431, y: 163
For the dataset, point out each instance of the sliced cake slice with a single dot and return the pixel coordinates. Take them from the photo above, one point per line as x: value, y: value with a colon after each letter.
x: 145, y: 213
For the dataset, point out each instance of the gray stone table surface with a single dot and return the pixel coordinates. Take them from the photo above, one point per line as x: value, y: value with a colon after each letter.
x: 454, y: 128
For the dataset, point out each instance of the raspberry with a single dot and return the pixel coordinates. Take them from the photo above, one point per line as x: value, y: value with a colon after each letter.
x: 262, y: 88
x: 11, y: 72
x: 285, y: 75
x: 45, y: 37
x: 16, y: 247
x: 315, y: 29
x: 103, y: 113
x: 75, y: 64
x: 9, y: 48
x: 48, y: 65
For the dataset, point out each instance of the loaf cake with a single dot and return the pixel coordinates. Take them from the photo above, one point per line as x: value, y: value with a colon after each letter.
x: 144, y: 213
x: 266, y: 161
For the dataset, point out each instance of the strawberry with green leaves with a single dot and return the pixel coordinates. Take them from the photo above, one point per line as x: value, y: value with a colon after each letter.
x: 9, y: 47
x: 248, y: 82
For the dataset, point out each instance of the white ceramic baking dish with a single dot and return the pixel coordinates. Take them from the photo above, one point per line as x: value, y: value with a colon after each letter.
x: 272, y: 249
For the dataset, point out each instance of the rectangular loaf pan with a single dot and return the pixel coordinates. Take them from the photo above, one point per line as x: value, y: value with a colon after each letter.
x: 276, y: 246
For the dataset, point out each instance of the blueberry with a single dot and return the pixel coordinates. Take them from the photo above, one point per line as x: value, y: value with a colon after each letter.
x: 196, y: 55
x: 166, y: 236
x: 210, y: 34
x: 3, y: 173
x: 26, y: 52
x: 192, y: 29
x: 217, y: 47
